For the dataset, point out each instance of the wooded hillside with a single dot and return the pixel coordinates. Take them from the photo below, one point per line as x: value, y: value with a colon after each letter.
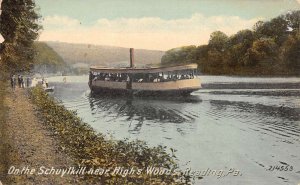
x: 47, y: 60
x: 270, y: 48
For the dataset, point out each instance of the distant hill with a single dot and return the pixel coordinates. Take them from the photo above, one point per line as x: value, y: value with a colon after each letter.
x: 103, y: 55
x: 47, y: 60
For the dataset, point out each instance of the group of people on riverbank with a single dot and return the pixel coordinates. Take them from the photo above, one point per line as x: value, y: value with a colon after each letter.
x: 26, y: 82
x: 21, y: 81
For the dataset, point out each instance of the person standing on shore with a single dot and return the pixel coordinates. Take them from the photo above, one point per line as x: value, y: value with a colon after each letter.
x: 22, y: 82
x: 46, y: 82
x: 43, y: 83
x: 19, y: 81
x: 28, y: 84
x: 33, y: 82
x: 13, y: 82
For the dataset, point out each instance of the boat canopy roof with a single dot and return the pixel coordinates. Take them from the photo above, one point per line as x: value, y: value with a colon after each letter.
x: 143, y: 70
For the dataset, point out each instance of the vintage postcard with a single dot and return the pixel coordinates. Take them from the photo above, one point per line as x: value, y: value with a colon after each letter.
x: 150, y: 92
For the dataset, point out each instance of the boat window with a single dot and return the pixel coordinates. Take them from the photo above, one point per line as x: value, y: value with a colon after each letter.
x: 117, y: 77
x: 145, y: 77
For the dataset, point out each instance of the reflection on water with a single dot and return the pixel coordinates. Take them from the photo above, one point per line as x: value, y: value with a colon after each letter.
x: 140, y: 109
x: 143, y: 109
x: 247, y: 127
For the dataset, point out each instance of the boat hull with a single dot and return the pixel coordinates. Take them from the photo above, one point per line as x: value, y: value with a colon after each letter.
x: 170, y: 88
x: 182, y: 92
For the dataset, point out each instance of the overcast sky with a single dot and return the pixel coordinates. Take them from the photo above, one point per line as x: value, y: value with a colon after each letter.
x: 152, y: 24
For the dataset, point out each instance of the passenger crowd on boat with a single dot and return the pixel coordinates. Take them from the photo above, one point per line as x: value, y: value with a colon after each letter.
x: 139, y: 77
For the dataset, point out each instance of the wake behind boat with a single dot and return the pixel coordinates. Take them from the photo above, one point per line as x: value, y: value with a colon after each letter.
x: 175, y: 80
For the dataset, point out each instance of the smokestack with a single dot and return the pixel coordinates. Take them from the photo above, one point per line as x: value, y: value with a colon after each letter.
x: 131, y: 57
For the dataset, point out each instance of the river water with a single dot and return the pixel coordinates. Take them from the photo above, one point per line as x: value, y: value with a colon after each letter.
x: 246, y: 125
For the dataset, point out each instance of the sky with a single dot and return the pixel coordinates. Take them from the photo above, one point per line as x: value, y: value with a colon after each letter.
x: 152, y: 24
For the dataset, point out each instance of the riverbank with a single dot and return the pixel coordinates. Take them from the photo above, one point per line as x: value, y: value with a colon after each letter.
x: 3, y: 137
x: 26, y: 142
x: 127, y: 162
x: 37, y: 132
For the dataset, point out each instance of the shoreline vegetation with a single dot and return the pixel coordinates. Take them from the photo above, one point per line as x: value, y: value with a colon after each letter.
x: 37, y: 131
x: 271, y: 48
x: 3, y: 135
x: 25, y: 142
x: 77, y: 140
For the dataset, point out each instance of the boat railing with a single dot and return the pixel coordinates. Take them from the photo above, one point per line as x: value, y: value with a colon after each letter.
x: 144, y: 80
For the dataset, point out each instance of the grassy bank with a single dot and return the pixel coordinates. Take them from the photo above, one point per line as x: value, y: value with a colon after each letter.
x: 3, y: 138
x: 94, y: 150
x: 8, y: 154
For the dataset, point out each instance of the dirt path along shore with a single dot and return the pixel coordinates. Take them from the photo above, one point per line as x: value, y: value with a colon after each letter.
x: 30, y: 145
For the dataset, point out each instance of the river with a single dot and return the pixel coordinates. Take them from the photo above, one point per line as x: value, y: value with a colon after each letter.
x: 241, y: 123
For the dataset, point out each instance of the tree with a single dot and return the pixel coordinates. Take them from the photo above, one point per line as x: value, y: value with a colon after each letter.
x: 171, y: 56
x: 279, y: 26
x: 181, y: 55
x: 238, y: 45
x: 235, y: 54
x: 215, y: 58
x: 276, y: 28
x: 291, y: 53
x: 218, y: 40
x: 19, y: 27
x: 293, y: 19
x: 262, y: 50
x: 258, y: 26
x: 245, y: 37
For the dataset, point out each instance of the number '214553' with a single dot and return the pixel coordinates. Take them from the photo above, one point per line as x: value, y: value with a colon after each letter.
x: 280, y: 168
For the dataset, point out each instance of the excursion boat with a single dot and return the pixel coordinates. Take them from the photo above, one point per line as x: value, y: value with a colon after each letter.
x: 178, y: 80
